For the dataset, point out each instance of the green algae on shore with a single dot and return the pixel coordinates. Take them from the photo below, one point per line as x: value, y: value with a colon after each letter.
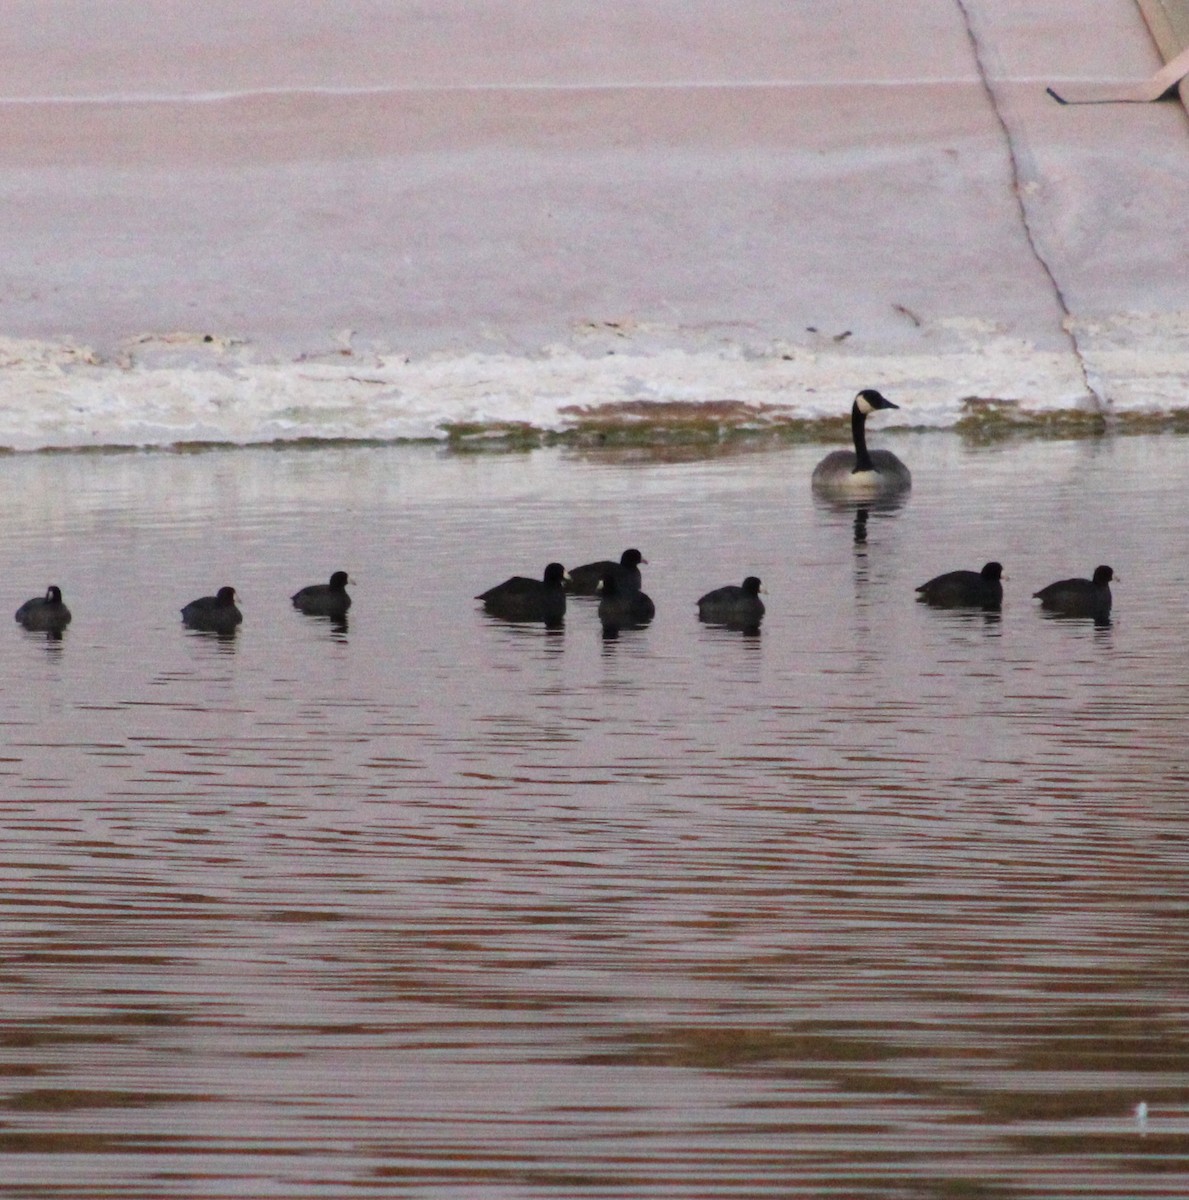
x: 716, y: 426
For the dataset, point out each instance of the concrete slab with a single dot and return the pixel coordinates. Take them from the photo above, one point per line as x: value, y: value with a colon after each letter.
x: 867, y: 186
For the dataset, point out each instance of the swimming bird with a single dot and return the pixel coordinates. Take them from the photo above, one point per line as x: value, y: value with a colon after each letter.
x: 862, y: 472
x: 214, y: 614
x: 620, y: 607
x: 524, y: 599
x: 585, y: 580
x: 965, y: 589
x: 46, y: 614
x: 1079, y: 597
x: 736, y: 605
x: 325, y: 599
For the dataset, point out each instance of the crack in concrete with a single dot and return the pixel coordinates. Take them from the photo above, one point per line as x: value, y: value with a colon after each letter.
x: 1101, y: 402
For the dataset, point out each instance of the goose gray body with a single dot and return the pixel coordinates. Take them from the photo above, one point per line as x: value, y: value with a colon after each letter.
x: 862, y: 472
x: 46, y: 614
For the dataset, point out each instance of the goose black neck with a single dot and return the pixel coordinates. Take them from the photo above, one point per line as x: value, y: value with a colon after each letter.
x: 858, y: 429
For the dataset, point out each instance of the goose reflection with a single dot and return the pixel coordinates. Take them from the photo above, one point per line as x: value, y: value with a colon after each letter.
x: 861, y: 515
x: 859, y: 512
x: 52, y: 639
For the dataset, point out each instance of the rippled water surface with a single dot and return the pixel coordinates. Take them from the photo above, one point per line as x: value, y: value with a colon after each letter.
x: 882, y: 902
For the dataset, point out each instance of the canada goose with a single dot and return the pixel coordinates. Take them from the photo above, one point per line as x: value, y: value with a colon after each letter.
x: 325, y: 599
x: 736, y: 605
x: 620, y: 607
x: 46, y: 614
x: 213, y: 614
x: 965, y: 589
x: 524, y: 599
x: 1079, y: 597
x: 585, y: 580
x: 862, y: 472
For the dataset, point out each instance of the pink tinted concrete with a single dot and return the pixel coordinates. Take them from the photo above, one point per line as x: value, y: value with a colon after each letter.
x: 472, y: 174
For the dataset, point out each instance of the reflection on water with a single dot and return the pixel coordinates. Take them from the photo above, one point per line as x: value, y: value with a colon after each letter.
x: 886, y: 902
x: 861, y: 509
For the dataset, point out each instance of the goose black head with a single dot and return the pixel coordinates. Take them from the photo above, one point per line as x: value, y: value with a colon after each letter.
x: 869, y: 401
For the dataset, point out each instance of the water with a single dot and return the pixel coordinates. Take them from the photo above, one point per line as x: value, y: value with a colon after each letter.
x: 883, y: 902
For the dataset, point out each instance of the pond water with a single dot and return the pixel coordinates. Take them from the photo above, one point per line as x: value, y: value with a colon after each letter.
x: 882, y: 902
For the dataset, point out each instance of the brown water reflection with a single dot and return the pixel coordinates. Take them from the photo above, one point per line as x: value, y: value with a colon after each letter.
x: 883, y: 902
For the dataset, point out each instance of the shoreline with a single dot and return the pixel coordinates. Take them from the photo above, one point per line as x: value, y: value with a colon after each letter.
x: 688, y: 431
x: 623, y: 384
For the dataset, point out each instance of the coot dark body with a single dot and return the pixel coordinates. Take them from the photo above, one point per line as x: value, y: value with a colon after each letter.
x: 45, y: 614
x: 213, y: 614
x: 325, y: 599
x: 735, y: 604
x: 965, y: 589
x: 585, y: 580
x: 1079, y: 597
x: 524, y: 599
x: 622, y: 608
